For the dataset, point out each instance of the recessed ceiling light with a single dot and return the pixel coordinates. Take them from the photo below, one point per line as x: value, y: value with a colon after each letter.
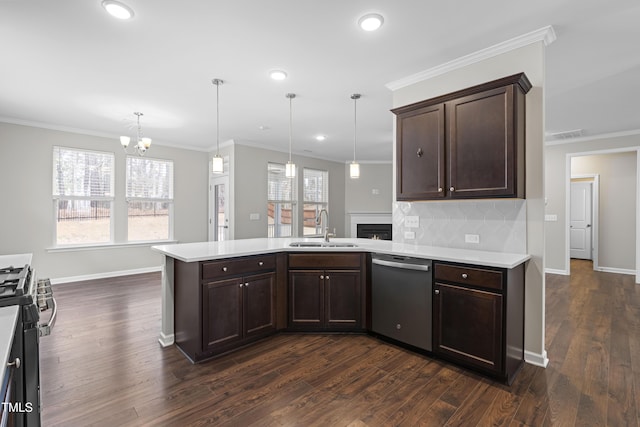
x: 371, y: 21
x: 320, y: 137
x: 278, y: 74
x: 117, y: 9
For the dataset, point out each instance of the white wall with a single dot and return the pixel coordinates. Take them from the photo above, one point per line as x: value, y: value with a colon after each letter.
x: 556, y: 178
x: 27, y: 222
x: 249, y: 175
x: 528, y: 59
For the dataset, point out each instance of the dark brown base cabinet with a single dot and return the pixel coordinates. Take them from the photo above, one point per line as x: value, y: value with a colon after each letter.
x: 329, y: 298
x: 478, y: 317
x: 222, y: 305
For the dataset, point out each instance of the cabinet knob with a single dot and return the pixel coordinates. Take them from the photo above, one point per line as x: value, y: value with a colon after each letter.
x: 419, y: 153
x: 224, y: 268
x: 439, y: 189
x: 452, y: 189
x: 246, y: 285
x: 321, y: 277
x: 261, y: 263
x: 398, y: 326
x: 326, y: 277
x: 465, y: 275
x: 240, y: 284
x: 437, y: 291
x: 16, y: 363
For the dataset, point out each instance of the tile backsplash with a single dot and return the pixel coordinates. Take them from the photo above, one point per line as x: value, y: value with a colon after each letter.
x: 500, y: 224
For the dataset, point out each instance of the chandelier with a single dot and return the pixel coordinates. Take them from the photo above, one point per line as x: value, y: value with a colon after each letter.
x: 142, y: 144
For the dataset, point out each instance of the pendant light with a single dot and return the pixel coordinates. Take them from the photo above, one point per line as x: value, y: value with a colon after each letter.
x: 290, y: 168
x: 217, y: 163
x: 354, y: 168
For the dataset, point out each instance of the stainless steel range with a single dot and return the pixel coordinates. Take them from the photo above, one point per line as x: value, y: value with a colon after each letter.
x: 21, y: 386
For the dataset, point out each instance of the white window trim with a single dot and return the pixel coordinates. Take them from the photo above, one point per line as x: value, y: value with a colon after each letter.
x: 56, y: 198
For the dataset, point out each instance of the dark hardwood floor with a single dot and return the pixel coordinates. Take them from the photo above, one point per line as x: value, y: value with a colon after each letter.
x: 103, y: 366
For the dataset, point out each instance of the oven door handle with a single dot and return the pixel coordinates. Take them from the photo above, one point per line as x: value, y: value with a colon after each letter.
x: 46, y: 328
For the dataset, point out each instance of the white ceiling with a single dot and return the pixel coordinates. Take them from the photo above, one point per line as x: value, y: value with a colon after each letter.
x: 68, y: 65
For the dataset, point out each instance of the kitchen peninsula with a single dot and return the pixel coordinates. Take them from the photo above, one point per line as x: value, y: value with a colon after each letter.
x: 257, y: 275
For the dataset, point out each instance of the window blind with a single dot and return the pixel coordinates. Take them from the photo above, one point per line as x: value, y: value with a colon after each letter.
x: 280, y: 188
x: 149, y: 179
x: 82, y: 173
x: 316, y: 186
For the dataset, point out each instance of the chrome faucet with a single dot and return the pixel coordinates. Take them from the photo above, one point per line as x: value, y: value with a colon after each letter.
x: 326, y: 234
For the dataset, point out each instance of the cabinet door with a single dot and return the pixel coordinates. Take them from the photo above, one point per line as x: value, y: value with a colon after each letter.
x: 468, y: 326
x: 420, y: 154
x: 343, y: 299
x: 258, y: 306
x: 306, y: 299
x: 221, y: 313
x: 481, y: 141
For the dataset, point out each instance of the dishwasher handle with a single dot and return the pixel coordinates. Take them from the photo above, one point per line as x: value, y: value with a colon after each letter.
x: 405, y: 266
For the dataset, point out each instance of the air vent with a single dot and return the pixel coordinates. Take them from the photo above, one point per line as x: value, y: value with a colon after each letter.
x: 568, y: 134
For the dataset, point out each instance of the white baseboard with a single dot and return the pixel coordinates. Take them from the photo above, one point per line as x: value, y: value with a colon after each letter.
x: 536, y: 358
x: 555, y: 271
x: 166, y: 340
x: 616, y: 270
x: 105, y: 275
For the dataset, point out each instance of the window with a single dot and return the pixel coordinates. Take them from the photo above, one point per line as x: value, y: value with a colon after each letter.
x: 149, y: 199
x: 82, y: 196
x: 281, y: 202
x: 316, y: 198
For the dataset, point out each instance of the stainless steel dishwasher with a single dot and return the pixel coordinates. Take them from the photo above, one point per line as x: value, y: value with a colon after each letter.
x: 401, y: 299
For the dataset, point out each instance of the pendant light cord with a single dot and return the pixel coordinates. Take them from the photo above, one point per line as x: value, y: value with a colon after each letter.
x: 355, y: 98
x: 217, y: 82
x: 290, y: 96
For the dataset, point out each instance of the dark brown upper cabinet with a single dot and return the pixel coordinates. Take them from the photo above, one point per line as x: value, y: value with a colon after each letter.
x: 463, y: 145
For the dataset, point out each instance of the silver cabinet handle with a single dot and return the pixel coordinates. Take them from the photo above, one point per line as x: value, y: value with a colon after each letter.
x: 464, y: 275
x: 261, y: 263
x: 246, y: 284
x: 419, y: 153
x: 224, y: 268
x: 321, y: 277
x: 326, y: 277
x: 452, y: 189
x: 16, y: 363
x: 240, y: 284
x: 437, y: 291
x: 439, y: 189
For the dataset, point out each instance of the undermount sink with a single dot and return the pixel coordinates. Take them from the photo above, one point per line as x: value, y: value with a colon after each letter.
x: 322, y: 245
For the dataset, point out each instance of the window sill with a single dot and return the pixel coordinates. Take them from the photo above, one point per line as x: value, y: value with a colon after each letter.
x: 98, y: 246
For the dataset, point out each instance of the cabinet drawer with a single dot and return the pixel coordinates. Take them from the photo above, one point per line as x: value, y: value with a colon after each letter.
x: 469, y: 275
x: 238, y: 266
x: 316, y: 260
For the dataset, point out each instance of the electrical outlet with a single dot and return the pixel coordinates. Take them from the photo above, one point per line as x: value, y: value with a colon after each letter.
x: 254, y: 217
x: 472, y: 238
x: 551, y: 217
x: 375, y: 191
x: 412, y: 221
x: 409, y: 235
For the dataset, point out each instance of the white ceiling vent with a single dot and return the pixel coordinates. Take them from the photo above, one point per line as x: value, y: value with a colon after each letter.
x: 568, y: 134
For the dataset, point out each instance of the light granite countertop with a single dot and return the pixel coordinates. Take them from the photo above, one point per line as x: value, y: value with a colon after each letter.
x: 202, y: 251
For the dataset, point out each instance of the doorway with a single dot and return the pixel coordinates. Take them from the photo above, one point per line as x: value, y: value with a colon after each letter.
x: 583, y: 217
x: 615, y: 222
x: 219, y: 209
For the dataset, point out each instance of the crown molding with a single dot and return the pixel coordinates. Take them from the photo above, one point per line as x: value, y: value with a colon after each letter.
x: 545, y: 34
x: 59, y: 128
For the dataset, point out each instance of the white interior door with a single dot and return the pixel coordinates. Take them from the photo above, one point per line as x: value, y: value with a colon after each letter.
x: 580, y: 221
x: 219, y: 215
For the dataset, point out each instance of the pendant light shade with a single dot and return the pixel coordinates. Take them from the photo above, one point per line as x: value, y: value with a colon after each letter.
x: 217, y: 163
x: 354, y: 167
x: 290, y: 168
